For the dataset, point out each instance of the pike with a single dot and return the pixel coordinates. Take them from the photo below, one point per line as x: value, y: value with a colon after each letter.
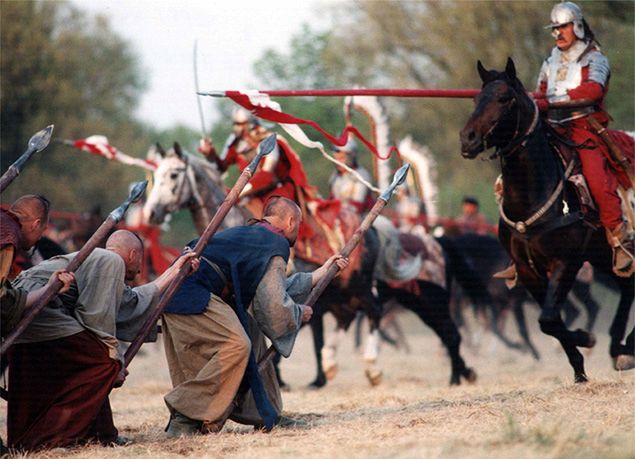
x: 95, y: 240
x: 38, y: 142
x: 319, y: 288
x: 266, y: 147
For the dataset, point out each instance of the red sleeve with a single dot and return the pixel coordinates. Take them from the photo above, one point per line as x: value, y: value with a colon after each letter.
x: 588, y: 90
x: 230, y: 159
x: 541, y: 97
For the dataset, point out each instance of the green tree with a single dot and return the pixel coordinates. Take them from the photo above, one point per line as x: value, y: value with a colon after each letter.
x: 62, y: 67
x: 308, y: 64
x: 437, y: 43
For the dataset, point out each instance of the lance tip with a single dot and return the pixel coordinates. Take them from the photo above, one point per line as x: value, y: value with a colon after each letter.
x: 211, y: 93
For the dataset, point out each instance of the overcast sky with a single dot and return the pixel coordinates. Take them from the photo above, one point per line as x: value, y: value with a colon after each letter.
x: 231, y: 36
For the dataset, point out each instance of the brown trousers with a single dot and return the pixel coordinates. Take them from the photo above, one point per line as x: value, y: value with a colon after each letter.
x: 58, y: 393
x: 207, y: 356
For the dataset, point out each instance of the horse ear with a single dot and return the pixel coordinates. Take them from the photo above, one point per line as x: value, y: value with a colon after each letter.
x: 177, y: 150
x: 510, y: 68
x: 160, y: 150
x: 484, y: 74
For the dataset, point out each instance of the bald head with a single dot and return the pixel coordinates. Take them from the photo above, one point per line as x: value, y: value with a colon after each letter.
x: 130, y: 248
x: 33, y: 213
x: 284, y: 214
x: 281, y: 207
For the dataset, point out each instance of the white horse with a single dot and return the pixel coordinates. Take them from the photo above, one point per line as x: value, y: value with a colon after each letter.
x: 184, y: 181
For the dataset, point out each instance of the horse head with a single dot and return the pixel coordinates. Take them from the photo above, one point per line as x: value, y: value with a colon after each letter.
x: 172, y: 188
x: 496, y: 120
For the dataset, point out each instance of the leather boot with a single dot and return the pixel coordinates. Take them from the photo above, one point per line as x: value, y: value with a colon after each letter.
x: 622, y: 244
x: 509, y: 274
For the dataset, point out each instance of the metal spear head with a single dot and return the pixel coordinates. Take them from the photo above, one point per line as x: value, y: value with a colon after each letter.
x: 135, y: 194
x: 211, y: 93
x: 37, y: 142
x: 265, y: 147
x: 397, y: 180
x: 41, y: 139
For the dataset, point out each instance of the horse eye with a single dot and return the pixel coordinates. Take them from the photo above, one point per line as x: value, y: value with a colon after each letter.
x: 504, y: 99
x: 174, y: 175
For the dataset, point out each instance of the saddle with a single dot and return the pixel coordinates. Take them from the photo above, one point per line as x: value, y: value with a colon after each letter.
x: 567, y: 152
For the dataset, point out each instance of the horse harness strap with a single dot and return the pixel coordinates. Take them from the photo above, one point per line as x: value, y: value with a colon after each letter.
x: 196, y: 200
x: 519, y: 142
x: 522, y: 226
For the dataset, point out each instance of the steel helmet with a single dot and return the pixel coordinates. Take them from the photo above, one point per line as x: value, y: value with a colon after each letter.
x: 566, y: 12
x: 350, y: 150
x: 242, y: 116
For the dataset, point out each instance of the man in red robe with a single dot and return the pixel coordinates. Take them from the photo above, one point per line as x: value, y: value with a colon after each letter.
x: 280, y: 173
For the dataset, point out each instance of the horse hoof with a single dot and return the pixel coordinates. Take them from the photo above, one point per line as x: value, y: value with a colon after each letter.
x: 581, y: 378
x: 470, y: 375
x: 374, y: 377
x: 319, y: 382
x: 330, y: 372
x: 624, y: 362
x: 284, y: 387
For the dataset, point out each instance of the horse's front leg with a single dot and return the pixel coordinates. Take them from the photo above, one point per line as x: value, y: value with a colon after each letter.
x: 623, y: 355
x: 558, y: 286
x: 371, y: 353
x: 317, y: 330
x: 329, y: 352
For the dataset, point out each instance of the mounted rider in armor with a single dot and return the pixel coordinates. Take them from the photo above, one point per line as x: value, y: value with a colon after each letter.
x: 577, y: 70
x: 280, y: 173
x: 344, y: 186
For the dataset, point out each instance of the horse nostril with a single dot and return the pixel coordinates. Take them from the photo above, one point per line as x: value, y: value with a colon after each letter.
x: 471, y: 135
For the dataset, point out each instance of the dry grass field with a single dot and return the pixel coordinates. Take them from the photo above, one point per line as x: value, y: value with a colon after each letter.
x: 517, y: 409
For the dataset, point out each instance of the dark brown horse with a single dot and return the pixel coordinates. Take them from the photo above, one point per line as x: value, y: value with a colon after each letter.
x: 542, y: 226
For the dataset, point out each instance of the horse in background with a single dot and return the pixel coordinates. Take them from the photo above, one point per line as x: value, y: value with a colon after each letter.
x: 542, y: 226
x: 183, y: 181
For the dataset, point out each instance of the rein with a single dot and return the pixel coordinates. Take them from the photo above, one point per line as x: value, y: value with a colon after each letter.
x: 517, y: 142
x: 521, y: 226
x: 196, y: 201
x: 513, y: 146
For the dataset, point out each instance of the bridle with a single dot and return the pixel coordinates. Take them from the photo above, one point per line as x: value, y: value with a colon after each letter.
x: 517, y: 141
x: 195, y: 201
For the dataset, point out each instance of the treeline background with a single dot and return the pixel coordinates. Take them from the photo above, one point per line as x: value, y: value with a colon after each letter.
x: 60, y: 65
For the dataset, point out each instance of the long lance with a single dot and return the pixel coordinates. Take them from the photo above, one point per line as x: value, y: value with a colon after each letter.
x: 266, y: 147
x: 388, y: 92
x: 38, y: 142
x: 380, y: 92
x: 319, y: 288
x: 95, y: 240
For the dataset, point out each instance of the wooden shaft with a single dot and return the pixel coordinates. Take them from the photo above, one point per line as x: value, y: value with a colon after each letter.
x: 8, y: 177
x: 211, y: 228
x: 333, y: 270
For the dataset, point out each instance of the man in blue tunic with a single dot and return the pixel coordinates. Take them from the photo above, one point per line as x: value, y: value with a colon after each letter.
x: 215, y: 325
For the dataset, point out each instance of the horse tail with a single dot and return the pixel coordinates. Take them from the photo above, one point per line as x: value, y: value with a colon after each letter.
x: 457, y: 267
